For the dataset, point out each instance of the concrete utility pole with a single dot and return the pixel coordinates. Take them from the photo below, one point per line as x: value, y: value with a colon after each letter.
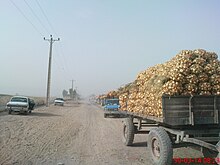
x: 72, y: 83
x: 76, y: 96
x: 71, y: 94
x: 51, y: 40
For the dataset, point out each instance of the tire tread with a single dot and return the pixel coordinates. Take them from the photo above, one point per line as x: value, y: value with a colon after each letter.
x: 166, y: 146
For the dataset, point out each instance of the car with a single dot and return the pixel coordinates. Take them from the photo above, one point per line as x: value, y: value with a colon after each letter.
x: 20, y: 104
x: 59, y: 101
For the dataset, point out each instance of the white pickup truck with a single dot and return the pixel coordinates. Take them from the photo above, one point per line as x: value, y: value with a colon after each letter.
x: 20, y: 104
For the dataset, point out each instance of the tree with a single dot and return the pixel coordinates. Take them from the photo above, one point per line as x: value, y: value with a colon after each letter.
x: 71, y: 93
x: 65, y: 93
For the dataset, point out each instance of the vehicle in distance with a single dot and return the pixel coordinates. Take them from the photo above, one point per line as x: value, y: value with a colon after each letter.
x: 59, y: 101
x: 20, y: 104
x: 111, y: 107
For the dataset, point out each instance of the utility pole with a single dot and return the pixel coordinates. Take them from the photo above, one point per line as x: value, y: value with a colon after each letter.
x: 72, y: 88
x: 51, y: 40
x: 76, y: 96
x: 72, y: 83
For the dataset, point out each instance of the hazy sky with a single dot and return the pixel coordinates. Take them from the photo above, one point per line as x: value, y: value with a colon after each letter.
x: 104, y: 43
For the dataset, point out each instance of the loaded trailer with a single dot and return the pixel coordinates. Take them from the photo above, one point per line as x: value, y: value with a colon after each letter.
x: 188, y: 121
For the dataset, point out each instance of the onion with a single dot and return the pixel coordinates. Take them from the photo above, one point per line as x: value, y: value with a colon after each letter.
x: 190, y: 72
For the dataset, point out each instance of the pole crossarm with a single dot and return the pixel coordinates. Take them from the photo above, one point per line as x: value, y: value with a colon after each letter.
x: 51, y: 39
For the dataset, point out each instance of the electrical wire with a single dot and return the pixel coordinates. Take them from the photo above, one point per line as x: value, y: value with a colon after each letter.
x: 51, y: 26
x: 65, y: 66
x: 64, y: 58
x: 61, y: 68
x: 46, y: 17
x: 36, y: 17
x: 26, y: 18
x: 63, y: 63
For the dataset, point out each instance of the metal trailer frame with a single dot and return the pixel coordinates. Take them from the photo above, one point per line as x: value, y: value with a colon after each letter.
x: 203, y: 139
x: 164, y: 135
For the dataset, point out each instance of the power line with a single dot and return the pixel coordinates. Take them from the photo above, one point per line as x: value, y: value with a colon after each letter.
x: 51, y: 26
x: 63, y: 63
x: 37, y: 17
x: 26, y: 17
x: 61, y: 69
x: 61, y: 57
x: 61, y: 48
x: 46, y: 17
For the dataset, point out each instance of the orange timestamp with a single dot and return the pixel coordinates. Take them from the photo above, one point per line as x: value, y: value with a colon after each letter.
x: 196, y: 160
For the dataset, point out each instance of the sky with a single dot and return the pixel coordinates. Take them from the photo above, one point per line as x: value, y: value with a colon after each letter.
x: 103, y: 44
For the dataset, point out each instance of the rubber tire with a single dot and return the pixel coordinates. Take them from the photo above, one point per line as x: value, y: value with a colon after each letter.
x: 9, y: 111
x: 29, y: 111
x: 128, y: 127
x: 207, y: 153
x: 165, y: 147
x: 135, y: 129
x: 105, y: 115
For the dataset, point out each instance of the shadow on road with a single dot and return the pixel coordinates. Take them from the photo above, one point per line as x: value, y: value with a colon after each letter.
x: 72, y: 105
x: 41, y: 114
x: 3, y: 113
x: 139, y: 144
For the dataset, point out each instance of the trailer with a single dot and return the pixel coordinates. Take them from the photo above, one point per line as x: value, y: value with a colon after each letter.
x: 188, y: 121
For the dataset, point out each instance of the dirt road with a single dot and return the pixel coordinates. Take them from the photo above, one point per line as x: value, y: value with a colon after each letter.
x: 71, y: 135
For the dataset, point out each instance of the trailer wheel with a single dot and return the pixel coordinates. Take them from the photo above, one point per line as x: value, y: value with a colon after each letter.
x: 160, y: 147
x: 207, y: 153
x: 128, y: 131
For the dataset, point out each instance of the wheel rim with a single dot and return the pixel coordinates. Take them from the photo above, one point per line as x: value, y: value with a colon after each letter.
x: 156, y: 148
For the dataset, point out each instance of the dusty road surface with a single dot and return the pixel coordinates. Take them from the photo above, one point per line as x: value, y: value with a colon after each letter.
x: 71, y: 135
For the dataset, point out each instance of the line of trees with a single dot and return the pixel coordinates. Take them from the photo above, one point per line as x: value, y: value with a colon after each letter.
x: 72, y: 94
